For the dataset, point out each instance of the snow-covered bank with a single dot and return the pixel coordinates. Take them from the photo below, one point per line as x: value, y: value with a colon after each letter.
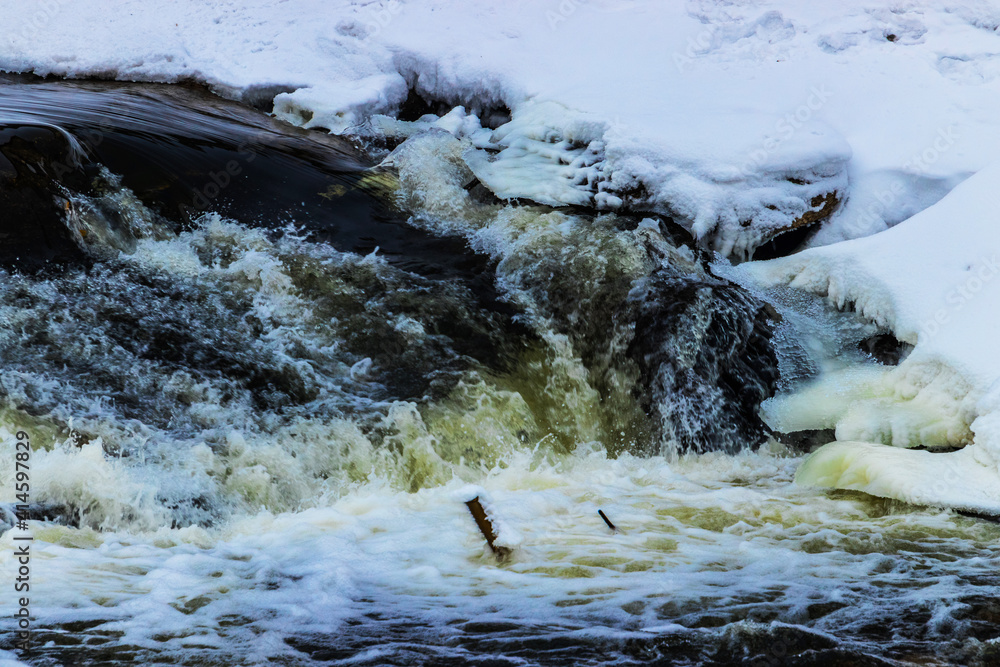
x: 932, y: 280
x: 739, y: 120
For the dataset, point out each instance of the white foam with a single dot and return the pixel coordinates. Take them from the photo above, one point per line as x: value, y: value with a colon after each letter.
x: 698, y: 533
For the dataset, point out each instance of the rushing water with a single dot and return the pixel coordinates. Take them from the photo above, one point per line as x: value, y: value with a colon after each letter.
x: 261, y: 377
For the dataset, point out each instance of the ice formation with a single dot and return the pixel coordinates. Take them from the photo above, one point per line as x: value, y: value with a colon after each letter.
x: 932, y: 281
x: 737, y: 119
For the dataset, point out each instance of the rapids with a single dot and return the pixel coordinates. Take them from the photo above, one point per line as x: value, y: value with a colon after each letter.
x: 262, y: 368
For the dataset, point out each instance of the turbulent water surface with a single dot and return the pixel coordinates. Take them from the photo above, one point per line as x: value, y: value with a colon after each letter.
x: 261, y: 376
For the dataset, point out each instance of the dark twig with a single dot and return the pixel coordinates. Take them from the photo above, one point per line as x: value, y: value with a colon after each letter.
x: 607, y: 520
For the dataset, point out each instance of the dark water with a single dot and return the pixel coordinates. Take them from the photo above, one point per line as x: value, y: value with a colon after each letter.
x: 184, y: 151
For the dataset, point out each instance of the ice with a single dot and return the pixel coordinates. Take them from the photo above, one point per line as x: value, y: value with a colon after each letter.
x: 931, y: 280
x: 558, y: 166
x: 871, y: 403
x: 342, y: 109
x: 963, y: 479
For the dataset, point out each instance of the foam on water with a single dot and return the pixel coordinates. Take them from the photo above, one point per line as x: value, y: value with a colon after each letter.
x: 704, y: 542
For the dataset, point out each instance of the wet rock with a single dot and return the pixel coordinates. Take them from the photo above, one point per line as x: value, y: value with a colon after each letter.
x: 37, y: 163
x: 885, y: 349
x: 785, y: 244
x: 806, y: 441
x: 822, y: 207
x: 8, y: 517
x: 61, y: 514
x: 705, y: 353
x: 792, y: 238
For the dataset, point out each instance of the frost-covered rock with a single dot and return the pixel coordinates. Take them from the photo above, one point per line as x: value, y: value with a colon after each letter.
x: 735, y: 195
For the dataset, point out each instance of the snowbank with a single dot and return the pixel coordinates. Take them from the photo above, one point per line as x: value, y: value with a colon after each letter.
x: 933, y: 281
x: 739, y: 120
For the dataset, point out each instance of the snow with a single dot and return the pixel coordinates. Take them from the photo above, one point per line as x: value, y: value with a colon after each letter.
x: 930, y: 279
x: 732, y: 118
